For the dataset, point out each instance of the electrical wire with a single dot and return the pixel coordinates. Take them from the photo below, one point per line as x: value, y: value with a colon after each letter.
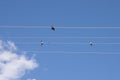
x: 58, y: 37
x: 67, y: 27
x: 72, y: 52
x: 68, y: 43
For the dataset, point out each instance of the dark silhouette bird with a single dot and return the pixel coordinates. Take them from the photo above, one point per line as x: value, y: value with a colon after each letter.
x: 53, y: 28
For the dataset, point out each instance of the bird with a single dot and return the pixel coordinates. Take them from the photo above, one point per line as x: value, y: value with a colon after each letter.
x: 53, y: 28
x: 41, y: 43
x: 91, y: 43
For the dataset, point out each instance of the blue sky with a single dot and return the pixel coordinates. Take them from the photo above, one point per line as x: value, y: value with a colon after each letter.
x: 66, y: 13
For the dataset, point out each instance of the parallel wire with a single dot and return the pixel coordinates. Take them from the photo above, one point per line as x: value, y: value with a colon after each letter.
x: 65, y: 52
x: 24, y: 27
x: 73, y: 52
x: 53, y: 34
x: 57, y: 37
x: 65, y: 43
x: 82, y: 43
x: 79, y: 27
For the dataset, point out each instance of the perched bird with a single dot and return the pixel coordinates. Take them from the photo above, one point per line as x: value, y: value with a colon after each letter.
x: 41, y: 43
x: 91, y: 43
x: 53, y: 28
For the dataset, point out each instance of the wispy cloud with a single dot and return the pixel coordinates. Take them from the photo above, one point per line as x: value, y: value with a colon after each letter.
x: 12, y: 65
x: 31, y: 79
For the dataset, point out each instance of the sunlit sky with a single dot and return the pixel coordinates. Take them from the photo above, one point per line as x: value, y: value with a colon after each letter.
x: 74, y: 58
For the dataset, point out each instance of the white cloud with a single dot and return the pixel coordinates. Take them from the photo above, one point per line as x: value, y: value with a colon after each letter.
x: 12, y: 65
x: 32, y: 79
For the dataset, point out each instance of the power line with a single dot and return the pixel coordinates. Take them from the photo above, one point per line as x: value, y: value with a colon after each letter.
x: 72, y: 52
x: 82, y: 43
x: 53, y: 34
x: 58, y: 37
x: 68, y: 43
x: 24, y: 27
x: 67, y: 27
